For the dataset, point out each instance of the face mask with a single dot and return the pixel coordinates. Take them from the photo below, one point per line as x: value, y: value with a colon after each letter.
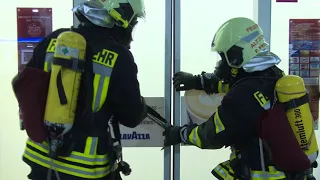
x: 222, y: 70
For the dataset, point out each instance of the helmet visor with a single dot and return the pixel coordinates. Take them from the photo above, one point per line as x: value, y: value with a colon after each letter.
x: 95, y: 13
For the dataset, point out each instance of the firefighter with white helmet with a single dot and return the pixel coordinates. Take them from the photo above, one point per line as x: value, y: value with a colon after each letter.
x: 69, y: 117
x: 264, y: 117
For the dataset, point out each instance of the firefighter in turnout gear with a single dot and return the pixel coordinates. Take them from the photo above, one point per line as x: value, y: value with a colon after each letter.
x: 79, y: 85
x: 254, y: 119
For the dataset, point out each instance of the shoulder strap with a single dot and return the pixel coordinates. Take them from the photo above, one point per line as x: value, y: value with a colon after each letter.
x: 294, y: 103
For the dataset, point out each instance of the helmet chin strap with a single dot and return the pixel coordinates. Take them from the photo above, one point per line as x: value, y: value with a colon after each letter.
x: 234, y: 72
x: 232, y: 76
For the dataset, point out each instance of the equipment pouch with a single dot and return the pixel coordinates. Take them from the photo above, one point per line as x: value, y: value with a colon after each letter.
x: 31, y: 89
x: 275, y: 130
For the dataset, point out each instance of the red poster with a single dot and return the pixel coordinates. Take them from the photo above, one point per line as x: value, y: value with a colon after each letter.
x: 304, y: 56
x: 33, y: 24
x: 286, y: 0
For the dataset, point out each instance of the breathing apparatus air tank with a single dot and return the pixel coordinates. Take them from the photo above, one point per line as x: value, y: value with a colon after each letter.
x: 291, y: 91
x: 67, y: 68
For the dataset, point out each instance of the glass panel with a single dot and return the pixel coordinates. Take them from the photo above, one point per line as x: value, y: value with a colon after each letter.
x: 199, y: 22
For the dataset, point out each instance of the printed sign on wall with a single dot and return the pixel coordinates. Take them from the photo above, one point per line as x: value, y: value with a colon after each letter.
x: 33, y: 24
x: 304, y: 57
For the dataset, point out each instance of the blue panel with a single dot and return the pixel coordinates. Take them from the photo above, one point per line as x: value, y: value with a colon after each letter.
x: 29, y: 39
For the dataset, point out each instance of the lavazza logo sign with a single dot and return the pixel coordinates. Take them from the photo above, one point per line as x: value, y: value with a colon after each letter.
x: 135, y: 136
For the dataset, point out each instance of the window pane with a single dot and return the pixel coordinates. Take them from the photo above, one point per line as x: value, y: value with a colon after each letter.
x: 149, y: 50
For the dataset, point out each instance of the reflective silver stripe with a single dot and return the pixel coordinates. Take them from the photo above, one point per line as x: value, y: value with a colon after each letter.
x: 64, y: 168
x: 221, y: 171
x: 93, y: 145
x: 220, y: 129
x: 224, y: 88
x: 48, y: 60
x: 77, y: 157
x: 279, y: 175
x: 194, y: 137
x: 267, y: 106
x: 98, y: 95
x: 217, y: 121
x: 104, y: 72
x: 272, y: 174
x: 101, y: 69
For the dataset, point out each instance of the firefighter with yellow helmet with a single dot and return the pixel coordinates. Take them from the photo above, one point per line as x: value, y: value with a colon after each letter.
x: 264, y: 117
x: 80, y: 83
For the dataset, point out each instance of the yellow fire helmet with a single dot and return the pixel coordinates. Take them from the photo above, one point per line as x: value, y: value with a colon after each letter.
x: 107, y: 13
x: 239, y: 40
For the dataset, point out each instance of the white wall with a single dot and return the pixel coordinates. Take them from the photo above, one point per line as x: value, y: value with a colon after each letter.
x: 280, y: 15
x: 12, y: 140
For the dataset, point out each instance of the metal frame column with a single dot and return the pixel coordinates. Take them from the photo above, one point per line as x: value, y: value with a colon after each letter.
x: 176, y: 95
x: 168, y: 82
x: 262, y: 15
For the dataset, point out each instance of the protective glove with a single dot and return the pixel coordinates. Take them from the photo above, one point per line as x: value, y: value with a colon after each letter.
x: 210, y: 82
x: 188, y: 80
x: 172, y: 135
